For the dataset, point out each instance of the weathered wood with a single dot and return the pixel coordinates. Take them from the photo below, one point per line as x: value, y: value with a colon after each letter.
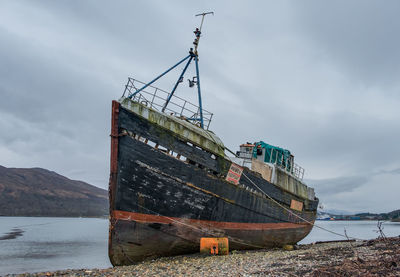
x: 220, y: 165
x: 163, y: 206
x: 163, y: 180
x: 277, y: 193
x: 169, y: 140
x: 113, y: 154
x: 135, y: 241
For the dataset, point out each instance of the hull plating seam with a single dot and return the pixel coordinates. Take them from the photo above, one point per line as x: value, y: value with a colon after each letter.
x: 147, y: 218
x: 218, y: 196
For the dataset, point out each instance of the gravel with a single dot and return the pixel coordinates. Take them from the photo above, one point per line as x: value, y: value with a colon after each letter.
x: 380, y: 257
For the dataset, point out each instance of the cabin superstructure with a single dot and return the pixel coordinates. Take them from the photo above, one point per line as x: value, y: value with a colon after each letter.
x: 276, y: 165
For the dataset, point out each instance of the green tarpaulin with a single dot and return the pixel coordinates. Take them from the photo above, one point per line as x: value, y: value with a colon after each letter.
x: 274, y: 154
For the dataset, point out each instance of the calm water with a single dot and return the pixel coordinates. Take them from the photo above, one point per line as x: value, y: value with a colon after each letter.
x: 46, y: 244
x: 53, y: 243
x: 355, y: 229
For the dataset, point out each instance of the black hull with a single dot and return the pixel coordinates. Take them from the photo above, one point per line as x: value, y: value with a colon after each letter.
x: 162, y: 206
x: 134, y: 241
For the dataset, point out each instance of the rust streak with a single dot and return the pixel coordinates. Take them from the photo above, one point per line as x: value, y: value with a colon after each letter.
x: 113, y: 171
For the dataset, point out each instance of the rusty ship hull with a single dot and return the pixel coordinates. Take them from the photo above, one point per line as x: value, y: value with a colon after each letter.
x: 162, y: 205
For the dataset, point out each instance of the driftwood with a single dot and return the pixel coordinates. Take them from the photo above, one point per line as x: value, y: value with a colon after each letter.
x: 383, y: 260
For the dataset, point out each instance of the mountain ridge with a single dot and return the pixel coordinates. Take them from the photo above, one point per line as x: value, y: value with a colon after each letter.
x: 41, y: 192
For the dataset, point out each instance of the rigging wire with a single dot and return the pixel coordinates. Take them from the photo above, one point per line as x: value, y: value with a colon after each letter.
x: 286, y: 209
x: 238, y: 241
x: 276, y: 202
x: 200, y: 229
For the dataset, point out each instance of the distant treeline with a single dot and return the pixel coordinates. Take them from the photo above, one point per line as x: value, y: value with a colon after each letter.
x: 394, y: 216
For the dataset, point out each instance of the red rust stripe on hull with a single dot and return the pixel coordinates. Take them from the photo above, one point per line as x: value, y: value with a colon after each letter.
x: 114, y: 154
x: 148, y: 218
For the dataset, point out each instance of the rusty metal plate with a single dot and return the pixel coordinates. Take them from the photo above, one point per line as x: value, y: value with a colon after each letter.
x: 234, y: 174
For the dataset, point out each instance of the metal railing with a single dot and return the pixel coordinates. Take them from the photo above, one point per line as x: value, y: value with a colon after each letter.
x: 287, y: 164
x: 156, y: 98
x: 244, y: 155
x: 296, y: 170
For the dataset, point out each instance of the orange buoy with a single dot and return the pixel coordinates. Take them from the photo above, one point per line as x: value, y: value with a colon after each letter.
x: 214, y: 246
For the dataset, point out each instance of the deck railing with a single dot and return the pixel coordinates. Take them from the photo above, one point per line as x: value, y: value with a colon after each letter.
x: 288, y: 165
x: 155, y: 98
x: 296, y: 170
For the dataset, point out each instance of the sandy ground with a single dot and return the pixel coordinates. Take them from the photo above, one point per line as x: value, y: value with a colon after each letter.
x: 380, y: 257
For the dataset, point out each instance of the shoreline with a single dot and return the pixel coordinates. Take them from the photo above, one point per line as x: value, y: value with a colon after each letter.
x: 377, y: 257
x: 45, y: 216
x: 107, y: 217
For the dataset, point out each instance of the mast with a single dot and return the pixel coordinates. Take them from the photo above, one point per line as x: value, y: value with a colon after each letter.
x: 197, y: 32
x: 193, y: 55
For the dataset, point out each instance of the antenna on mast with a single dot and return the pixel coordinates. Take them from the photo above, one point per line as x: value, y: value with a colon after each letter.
x: 197, y: 32
x: 193, y: 55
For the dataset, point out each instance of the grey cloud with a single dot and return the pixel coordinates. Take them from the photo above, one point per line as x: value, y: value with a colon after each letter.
x: 361, y: 36
x: 344, y: 184
x: 392, y: 171
x: 345, y: 192
x: 338, y: 185
x: 318, y: 79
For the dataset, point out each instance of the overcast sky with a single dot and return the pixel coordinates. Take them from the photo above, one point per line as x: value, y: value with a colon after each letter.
x: 320, y: 78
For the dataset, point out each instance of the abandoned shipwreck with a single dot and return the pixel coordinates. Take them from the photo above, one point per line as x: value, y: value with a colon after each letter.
x: 172, y: 183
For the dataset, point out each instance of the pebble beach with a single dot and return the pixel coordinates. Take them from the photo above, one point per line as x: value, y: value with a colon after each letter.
x: 379, y: 257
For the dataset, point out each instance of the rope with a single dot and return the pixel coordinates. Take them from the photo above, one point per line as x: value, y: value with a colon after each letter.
x: 286, y: 209
x: 273, y: 200
x: 296, y: 215
x: 199, y: 229
x: 276, y: 202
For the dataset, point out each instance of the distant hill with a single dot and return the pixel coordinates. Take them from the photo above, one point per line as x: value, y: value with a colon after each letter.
x: 393, y: 216
x: 40, y: 192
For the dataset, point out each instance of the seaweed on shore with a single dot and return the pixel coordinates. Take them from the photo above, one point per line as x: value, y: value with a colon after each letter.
x: 383, y: 260
x: 14, y: 233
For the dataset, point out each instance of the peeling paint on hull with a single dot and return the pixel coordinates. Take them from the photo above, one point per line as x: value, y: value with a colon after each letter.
x: 138, y: 240
x: 162, y: 206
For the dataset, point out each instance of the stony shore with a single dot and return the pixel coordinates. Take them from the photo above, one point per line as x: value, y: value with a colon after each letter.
x: 380, y: 257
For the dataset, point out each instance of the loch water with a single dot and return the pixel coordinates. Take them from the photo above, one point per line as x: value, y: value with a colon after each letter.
x: 36, y: 244
x: 49, y: 244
